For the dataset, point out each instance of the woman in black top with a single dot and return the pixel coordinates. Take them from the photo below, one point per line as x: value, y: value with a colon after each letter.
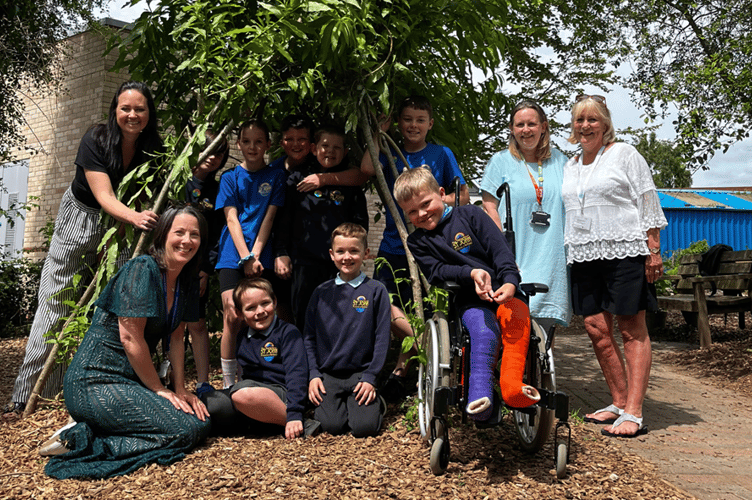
x: 106, y: 154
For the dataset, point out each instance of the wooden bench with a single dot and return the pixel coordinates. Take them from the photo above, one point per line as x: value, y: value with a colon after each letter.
x: 734, y: 294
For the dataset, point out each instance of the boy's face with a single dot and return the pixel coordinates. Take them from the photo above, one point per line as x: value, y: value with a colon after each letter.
x: 330, y: 150
x: 258, y: 308
x: 414, y: 125
x: 296, y: 142
x: 253, y: 144
x: 348, y: 255
x: 425, y: 209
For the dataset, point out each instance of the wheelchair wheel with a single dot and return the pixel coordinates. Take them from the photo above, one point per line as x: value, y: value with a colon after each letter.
x: 561, y: 459
x: 534, y: 424
x: 439, y: 456
x: 435, y: 373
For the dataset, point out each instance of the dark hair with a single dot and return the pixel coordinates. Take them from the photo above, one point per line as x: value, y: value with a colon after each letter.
x: 247, y: 284
x: 543, y: 151
x: 417, y: 102
x: 222, y: 149
x: 298, y: 122
x: 110, y: 138
x: 254, y: 122
x: 329, y: 128
x: 164, y: 224
x: 351, y: 230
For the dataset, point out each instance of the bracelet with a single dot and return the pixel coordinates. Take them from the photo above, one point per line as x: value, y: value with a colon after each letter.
x: 245, y: 259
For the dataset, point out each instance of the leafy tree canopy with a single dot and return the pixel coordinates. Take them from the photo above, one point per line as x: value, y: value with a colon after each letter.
x: 698, y: 56
x: 355, y: 59
x: 666, y: 159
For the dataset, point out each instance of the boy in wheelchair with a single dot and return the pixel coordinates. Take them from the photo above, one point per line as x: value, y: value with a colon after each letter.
x: 463, y: 244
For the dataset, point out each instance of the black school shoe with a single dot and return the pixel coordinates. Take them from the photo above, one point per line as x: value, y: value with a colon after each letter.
x: 394, y: 388
x: 13, y: 410
x: 311, y: 427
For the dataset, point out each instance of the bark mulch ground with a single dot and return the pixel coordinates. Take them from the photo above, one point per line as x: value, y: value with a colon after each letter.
x: 395, y: 464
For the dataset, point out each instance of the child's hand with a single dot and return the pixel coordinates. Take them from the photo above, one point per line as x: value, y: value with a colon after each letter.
x: 482, y: 284
x: 253, y: 267
x: 385, y: 122
x: 365, y: 393
x: 310, y: 183
x: 283, y: 267
x: 315, y: 390
x: 294, y: 429
x: 504, y: 293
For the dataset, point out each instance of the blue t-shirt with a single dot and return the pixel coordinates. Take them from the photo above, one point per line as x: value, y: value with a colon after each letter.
x: 251, y: 193
x: 444, y: 168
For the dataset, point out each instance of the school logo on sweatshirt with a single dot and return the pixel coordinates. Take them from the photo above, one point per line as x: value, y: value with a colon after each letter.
x: 360, y: 304
x: 462, y: 242
x: 264, y: 189
x: 269, y: 351
x: 337, y: 197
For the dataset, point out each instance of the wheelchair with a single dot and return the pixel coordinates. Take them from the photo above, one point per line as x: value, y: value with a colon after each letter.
x: 443, y: 382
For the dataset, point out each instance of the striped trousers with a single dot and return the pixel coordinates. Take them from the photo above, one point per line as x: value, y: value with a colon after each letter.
x: 73, y: 250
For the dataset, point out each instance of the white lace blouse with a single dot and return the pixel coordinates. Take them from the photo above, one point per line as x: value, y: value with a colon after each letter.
x: 610, y: 204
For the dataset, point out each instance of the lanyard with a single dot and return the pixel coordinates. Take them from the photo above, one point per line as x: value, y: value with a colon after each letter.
x: 580, y: 184
x: 171, y: 314
x: 538, y: 187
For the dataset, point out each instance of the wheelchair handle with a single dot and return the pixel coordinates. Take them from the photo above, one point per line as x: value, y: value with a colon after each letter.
x: 508, y: 228
x: 456, y: 185
x: 531, y: 289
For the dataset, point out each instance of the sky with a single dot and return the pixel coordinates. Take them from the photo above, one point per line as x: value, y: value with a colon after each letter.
x: 732, y: 169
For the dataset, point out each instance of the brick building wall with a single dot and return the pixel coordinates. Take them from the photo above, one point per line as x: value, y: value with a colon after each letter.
x: 57, y: 122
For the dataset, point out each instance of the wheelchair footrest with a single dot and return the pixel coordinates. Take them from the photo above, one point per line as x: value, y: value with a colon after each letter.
x: 443, y: 397
x: 557, y: 401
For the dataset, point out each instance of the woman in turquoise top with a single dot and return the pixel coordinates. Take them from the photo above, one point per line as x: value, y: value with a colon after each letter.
x: 534, y: 172
x: 126, y: 417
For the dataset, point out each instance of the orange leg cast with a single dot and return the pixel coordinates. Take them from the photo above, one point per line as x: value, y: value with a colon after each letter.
x: 514, y: 319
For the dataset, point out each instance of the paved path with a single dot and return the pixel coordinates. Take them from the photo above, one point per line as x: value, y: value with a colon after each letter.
x: 700, y: 436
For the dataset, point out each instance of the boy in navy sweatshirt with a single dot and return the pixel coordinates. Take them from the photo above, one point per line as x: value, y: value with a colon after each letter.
x: 463, y: 244
x: 346, y: 338
x: 272, y: 360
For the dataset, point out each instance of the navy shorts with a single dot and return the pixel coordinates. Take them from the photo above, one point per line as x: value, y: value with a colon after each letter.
x: 618, y: 286
x: 229, y: 278
x: 277, y: 389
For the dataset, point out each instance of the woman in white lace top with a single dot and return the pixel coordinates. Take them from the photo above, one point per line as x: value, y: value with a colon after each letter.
x: 612, y: 237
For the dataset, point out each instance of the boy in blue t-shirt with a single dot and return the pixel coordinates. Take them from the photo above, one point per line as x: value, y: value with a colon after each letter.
x: 250, y: 195
x: 463, y: 244
x: 346, y: 338
x: 308, y: 218
x: 414, y: 120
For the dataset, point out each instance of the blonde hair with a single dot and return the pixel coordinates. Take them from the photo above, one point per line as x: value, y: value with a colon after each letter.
x: 601, y: 111
x: 413, y: 181
x: 543, y: 151
x: 351, y: 230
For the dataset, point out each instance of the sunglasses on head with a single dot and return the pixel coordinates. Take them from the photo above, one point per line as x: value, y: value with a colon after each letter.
x: 596, y: 98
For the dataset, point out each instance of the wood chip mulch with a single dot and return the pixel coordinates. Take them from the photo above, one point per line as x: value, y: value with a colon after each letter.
x: 395, y: 464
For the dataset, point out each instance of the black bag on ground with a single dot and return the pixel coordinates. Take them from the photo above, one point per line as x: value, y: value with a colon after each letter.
x: 710, y: 262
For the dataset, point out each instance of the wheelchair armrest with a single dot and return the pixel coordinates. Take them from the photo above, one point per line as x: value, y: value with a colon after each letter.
x: 531, y: 289
x: 451, y: 286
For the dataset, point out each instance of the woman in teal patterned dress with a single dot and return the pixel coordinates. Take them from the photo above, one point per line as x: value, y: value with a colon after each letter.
x: 126, y: 417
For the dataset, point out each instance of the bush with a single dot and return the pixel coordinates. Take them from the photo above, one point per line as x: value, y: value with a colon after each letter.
x: 19, y: 283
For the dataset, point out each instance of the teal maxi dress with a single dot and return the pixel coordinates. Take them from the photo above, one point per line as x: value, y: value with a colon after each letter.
x: 122, y: 425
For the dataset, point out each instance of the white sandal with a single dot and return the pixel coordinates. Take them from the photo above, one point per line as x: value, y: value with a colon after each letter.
x: 608, y: 409
x: 626, y: 417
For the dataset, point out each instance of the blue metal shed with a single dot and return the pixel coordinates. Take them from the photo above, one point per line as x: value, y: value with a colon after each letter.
x: 715, y: 216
